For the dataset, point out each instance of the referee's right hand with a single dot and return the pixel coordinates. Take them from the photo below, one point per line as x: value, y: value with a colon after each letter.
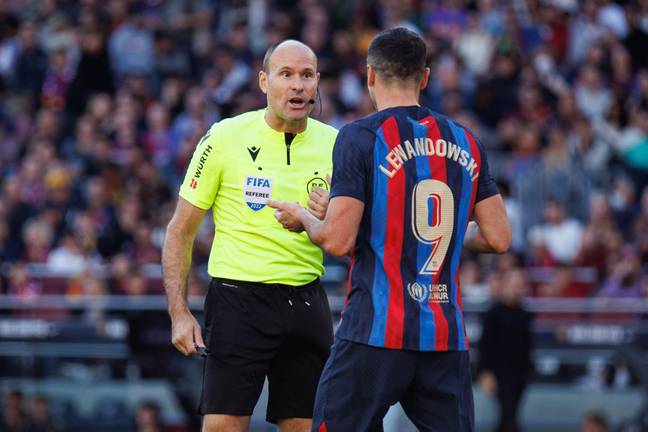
x: 186, y: 334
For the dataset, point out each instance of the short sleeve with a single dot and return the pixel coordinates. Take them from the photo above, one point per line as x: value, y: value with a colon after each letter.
x: 351, y: 161
x: 486, y: 186
x: 203, y: 175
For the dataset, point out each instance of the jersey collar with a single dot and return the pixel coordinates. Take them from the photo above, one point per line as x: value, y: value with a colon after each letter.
x: 279, y: 136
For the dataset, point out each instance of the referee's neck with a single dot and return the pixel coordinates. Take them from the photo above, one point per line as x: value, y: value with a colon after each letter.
x: 282, y: 125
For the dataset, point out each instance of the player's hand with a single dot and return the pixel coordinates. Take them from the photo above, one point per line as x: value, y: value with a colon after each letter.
x: 318, y: 202
x: 287, y: 214
x: 185, y: 333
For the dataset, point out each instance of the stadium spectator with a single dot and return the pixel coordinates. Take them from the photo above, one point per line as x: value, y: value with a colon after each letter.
x: 626, y: 279
x: 560, y: 235
x: 594, y: 422
x: 68, y: 258
x: 147, y: 418
x: 505, y: 349
x: 41, y: 418
x: 14, y: 418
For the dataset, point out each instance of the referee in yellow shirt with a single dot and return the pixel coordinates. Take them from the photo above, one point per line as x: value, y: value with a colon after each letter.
x: 266, y: 314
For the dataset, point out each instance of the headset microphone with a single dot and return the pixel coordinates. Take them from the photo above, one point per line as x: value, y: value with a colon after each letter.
x: 311, y: 101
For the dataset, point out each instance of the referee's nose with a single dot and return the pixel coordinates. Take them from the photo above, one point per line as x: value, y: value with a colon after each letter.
x: 297, y: 84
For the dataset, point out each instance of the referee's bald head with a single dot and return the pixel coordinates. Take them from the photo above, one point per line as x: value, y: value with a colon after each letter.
x: 287, y: 44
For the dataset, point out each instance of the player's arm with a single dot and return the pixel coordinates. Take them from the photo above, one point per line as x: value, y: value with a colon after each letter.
x: 491, y: 231
x: 336, y: 234
x: 176, y: 262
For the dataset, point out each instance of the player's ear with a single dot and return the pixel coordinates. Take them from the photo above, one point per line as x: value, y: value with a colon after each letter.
x: 371, y: 76
x: 263, y: 82
x: 425, y: 78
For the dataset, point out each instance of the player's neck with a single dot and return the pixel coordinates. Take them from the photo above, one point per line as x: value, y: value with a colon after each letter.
x: 282, y: 125
x: 395, y: 97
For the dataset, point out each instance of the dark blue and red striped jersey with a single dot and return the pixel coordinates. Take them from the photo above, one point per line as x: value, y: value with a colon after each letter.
x: 419, y: 174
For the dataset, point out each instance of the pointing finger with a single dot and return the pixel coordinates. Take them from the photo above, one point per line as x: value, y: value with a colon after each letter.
x: 273, y: 204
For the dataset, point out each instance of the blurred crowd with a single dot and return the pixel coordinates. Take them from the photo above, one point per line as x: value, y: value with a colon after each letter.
x: 103, y: 102
x: 38, y: 413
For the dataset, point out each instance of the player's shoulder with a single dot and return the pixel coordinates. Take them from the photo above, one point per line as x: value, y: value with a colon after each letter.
x: 356, y: 137
x: 360, y: 127
x: 455, y: 124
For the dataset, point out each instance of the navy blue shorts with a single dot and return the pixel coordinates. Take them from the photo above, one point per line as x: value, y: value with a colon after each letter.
x: 360, y: 382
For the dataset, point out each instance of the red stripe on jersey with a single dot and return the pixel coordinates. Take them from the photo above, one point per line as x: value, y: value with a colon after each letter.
x: 474, y: 152
x: 394, y: 243
x: 322, y: 428
x: 351, y: 265
x: 438, y: 169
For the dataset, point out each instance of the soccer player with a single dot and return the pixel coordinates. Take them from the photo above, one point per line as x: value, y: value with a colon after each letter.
x: 406, y: 182
x: 266, y: 313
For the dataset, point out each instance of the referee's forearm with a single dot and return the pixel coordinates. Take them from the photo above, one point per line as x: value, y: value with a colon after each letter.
x: 176, y: 262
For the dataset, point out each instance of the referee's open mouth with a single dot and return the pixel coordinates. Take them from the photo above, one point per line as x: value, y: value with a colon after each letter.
x: 297, y: 102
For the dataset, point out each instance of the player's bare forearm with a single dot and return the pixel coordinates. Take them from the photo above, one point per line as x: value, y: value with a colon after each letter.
x: 476, y: 242
x: 176, y: 262
x: 315, y: 228
x: 491, y: 231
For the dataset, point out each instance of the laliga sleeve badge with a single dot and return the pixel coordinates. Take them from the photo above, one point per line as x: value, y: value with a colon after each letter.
x: 257, y: 191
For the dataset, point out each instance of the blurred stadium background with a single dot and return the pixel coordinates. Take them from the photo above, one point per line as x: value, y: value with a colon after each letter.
x: 103, y: 101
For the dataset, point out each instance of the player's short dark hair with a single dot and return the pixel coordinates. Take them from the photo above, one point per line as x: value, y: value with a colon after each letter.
x: 397, y: 54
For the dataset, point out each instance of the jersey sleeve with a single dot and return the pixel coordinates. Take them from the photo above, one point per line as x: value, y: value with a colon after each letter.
x: 203, y: 175
x: 486, y: 186
x: 351, y: 162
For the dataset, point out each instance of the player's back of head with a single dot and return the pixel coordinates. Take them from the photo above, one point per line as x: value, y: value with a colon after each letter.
x: 398, y: 55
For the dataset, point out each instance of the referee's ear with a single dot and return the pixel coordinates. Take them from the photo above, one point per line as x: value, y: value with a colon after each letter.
x: 263, y: 81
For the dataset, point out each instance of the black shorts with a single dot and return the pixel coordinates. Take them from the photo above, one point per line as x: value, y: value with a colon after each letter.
x: 361, y: 382
x: 256, y: 330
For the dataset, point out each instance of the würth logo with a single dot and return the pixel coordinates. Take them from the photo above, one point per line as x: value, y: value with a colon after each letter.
x: 202, y: 160
x: 193, y: 184
x: 254, y: 152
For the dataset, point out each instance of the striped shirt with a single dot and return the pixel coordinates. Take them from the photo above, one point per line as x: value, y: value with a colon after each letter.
x: 419, y: 175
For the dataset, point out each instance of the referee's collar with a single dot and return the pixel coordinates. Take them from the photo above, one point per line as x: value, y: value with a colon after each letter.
x: 280, y: 136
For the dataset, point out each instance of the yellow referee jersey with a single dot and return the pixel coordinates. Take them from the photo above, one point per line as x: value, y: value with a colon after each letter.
x: 238, y: 165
